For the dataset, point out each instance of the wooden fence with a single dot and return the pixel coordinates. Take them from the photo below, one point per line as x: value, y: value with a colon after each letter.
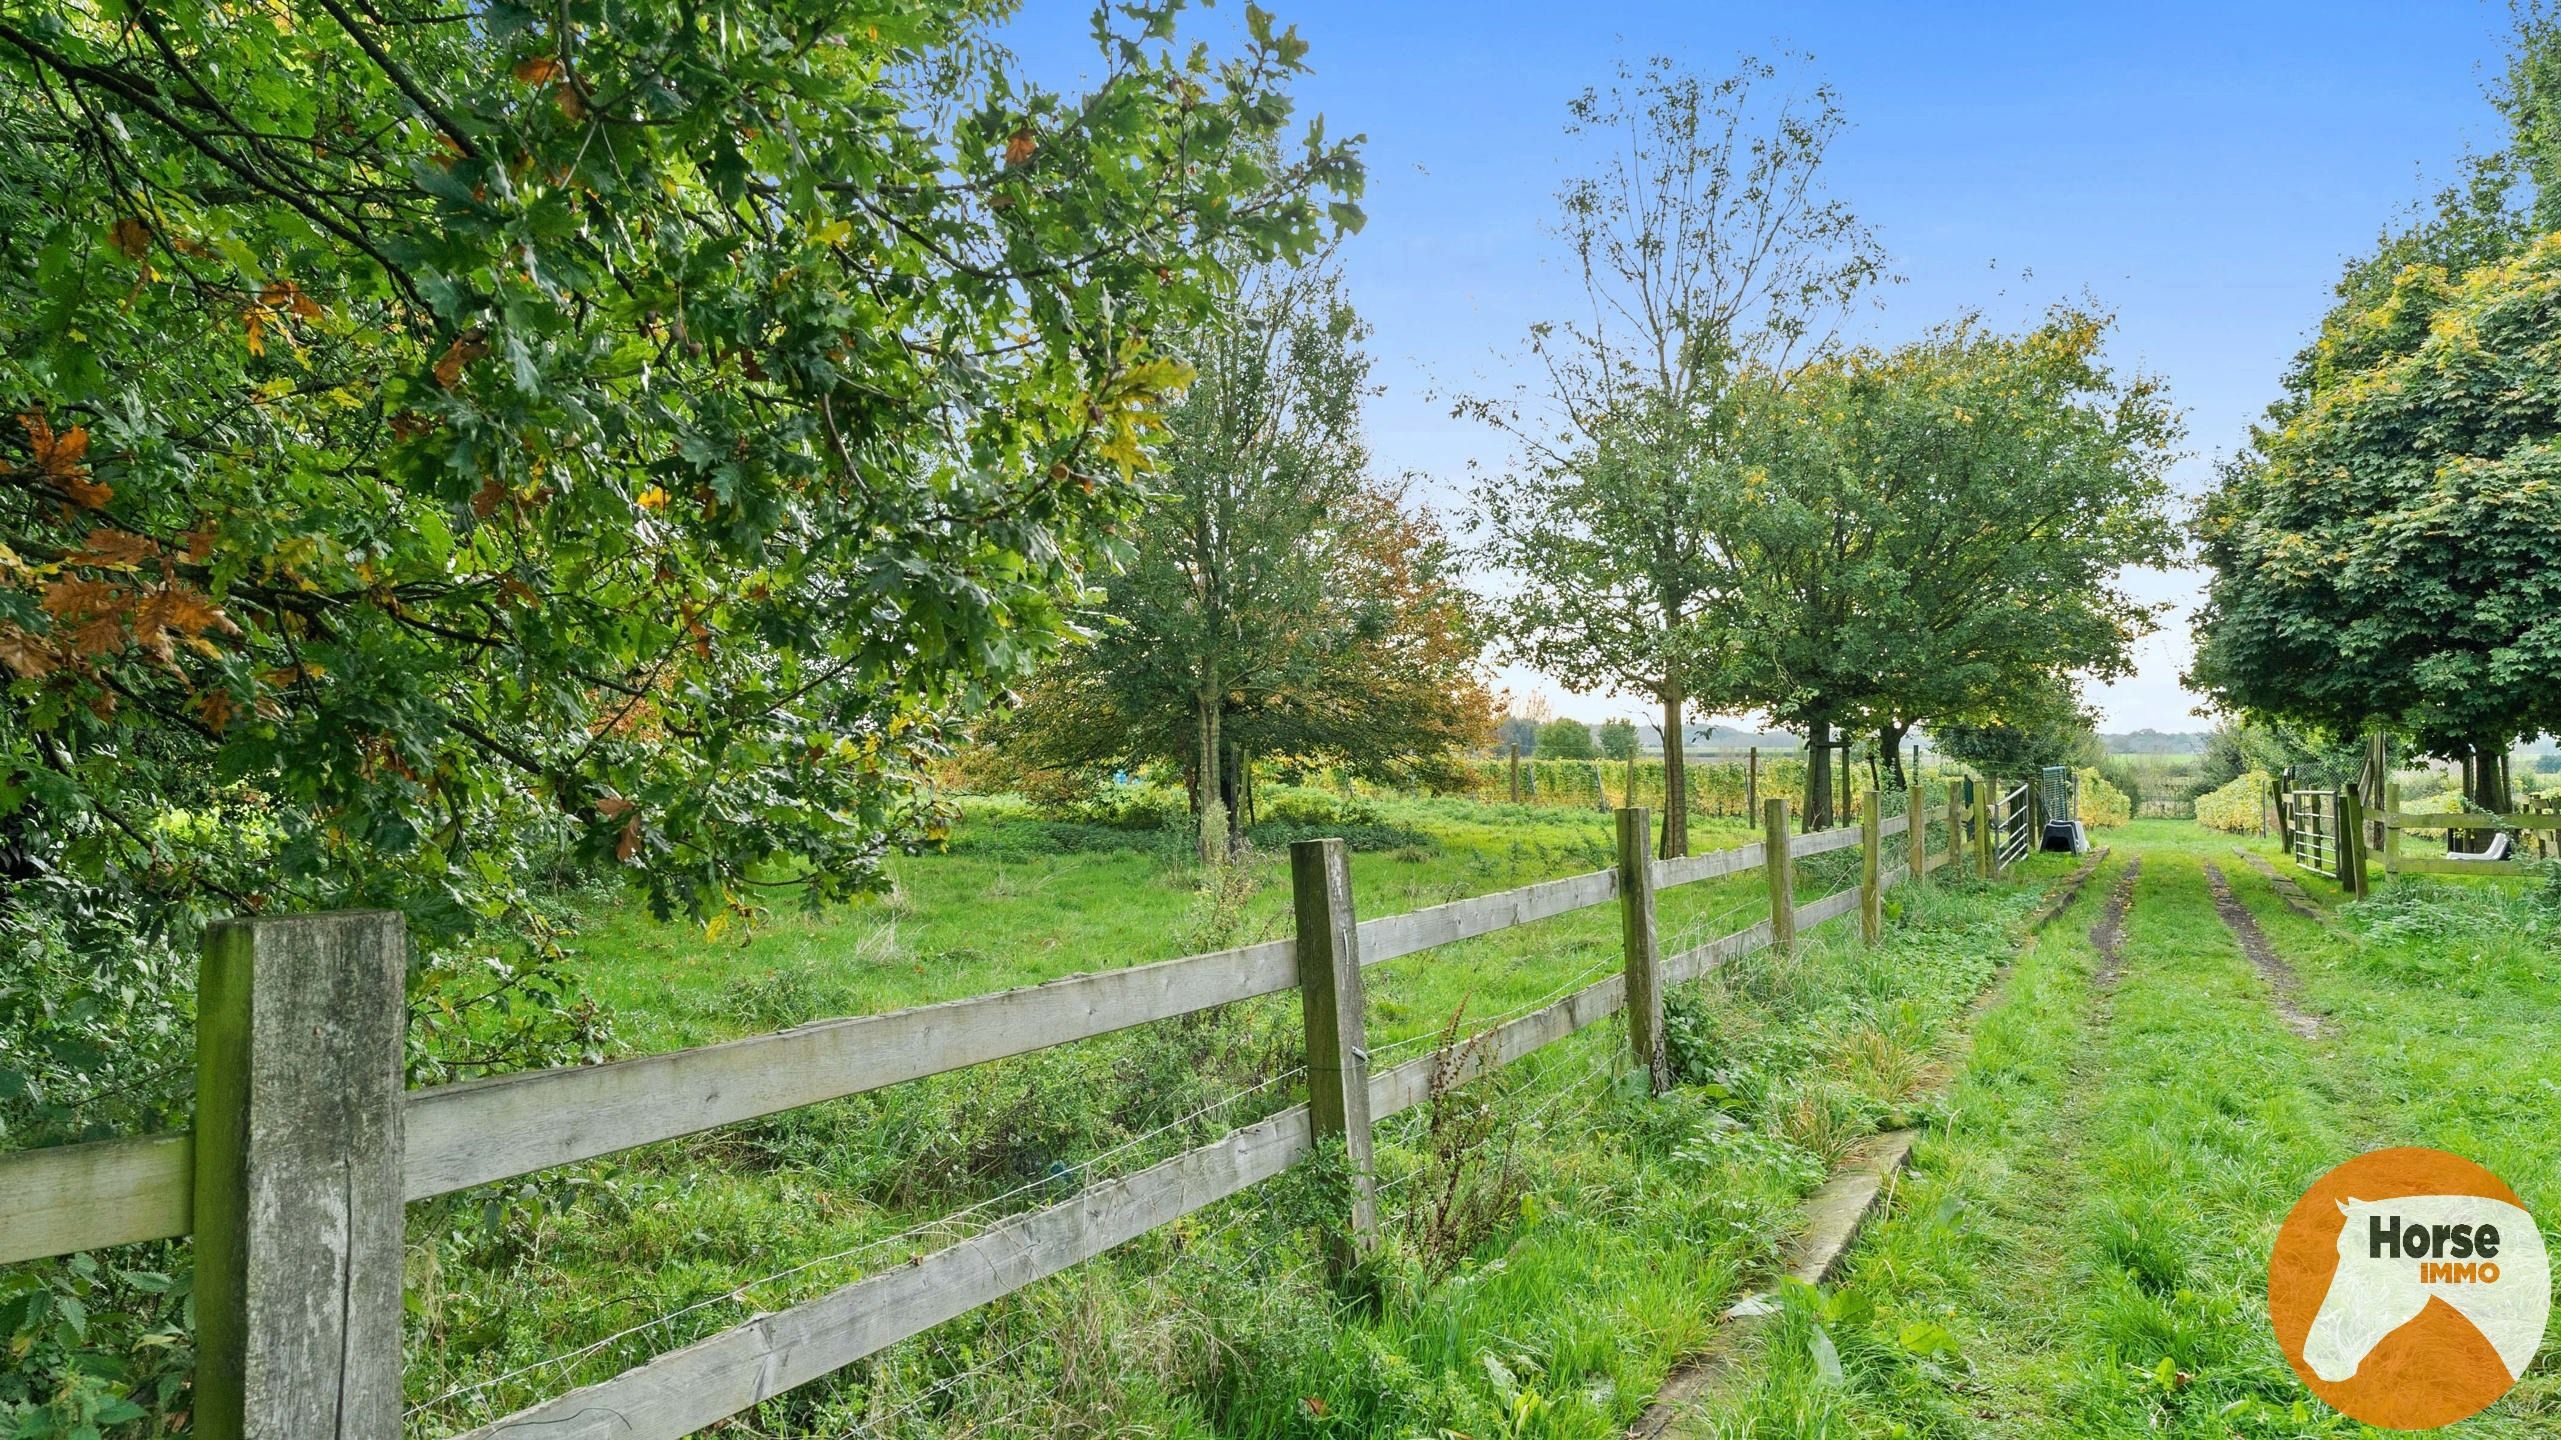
x: 2534, y: 828
x: 306, y: 1148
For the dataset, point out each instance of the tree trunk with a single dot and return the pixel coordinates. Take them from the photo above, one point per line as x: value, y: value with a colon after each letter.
x: 1889, y: 743
x: 1676, y: 774
x: 1231, y: 792
x: 1209, y: 811
x: 1818, y: 775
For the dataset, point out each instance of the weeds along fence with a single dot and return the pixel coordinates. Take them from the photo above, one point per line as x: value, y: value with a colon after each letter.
x: 306, y: 1148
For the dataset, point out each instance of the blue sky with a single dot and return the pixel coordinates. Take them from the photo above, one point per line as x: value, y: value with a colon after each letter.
x: 2203, y: 170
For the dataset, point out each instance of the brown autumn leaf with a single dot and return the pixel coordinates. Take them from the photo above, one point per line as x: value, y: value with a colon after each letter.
x: 629, y: 844
x: 131, y: 236
x: 56, y: 455
x: 102, y: 635
x: 73, y: 597
x: 571, y: 103
x: 112, y: 549
x: 1021, y: 146
x: 467, y: 347
x: 24, y: 653
x: 539, y: 69
x: 486, y: 500
x: 614, y: 807
x: 215, y: 708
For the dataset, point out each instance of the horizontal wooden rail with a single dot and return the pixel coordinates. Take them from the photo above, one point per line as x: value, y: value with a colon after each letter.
x: 1691, y: 964
x: 1687, y: 869
x: 59, y: 1200
x: 1832, y: 906
x: 1390, y: 936
x: 2466, y: 820
x: 685, y: 1390
x: 1824, y: 841
x: 69, y: 1198
x: 469, y: 1134
x: 1893, y: 825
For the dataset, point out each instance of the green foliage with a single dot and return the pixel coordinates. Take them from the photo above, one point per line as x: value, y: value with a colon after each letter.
x: 1935, y: 532
x: 2238, y: 807
x: 1617, y: 739
x: 2102, y: 805
x: 95, y: 1348
x: 1275, y: 599
x: 615, y: 437
x: 1564, y: 738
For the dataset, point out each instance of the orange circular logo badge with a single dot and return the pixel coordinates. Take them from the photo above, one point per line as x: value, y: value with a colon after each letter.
x: 2409, y: 1288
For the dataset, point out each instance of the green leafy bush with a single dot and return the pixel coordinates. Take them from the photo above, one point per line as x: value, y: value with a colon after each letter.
x: 2238, y: 808
x: 2103, y: 806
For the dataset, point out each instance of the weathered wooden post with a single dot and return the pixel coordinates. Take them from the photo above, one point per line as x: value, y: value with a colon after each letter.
x: 1752, y: 781
x: 1329, y: 996
x: 1983, y: 813
x: 1955, y: 825
x: 2391, y: 827
x: 1871, y: 846
x: 2352, y: 841
x: 1780, y: 862
x: 1643, y: 946
x: 298, y: 1222
x: 1916, y: 830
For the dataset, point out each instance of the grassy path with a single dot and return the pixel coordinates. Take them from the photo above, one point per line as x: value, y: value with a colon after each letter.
x: 2081, y: 1247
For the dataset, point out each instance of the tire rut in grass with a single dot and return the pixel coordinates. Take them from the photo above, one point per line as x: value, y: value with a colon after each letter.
x: 2108, y: 936
x: 2254, y: 943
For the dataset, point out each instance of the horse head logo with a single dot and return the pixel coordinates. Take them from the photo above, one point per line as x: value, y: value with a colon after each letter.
x: 2481, y: 1256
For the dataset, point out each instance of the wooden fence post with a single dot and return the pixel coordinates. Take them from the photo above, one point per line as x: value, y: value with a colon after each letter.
x: 1329, y: 994
x: 1983, y: 807
x: 1916, y: 829
x: 2391, y: 832
x: 1644, y: 949
x: 1871, y: 845
x: 2352, y: 841
x: 1955, y: 825
x: 1781, y: 864
x: 1752, y: 781
x: 298, y: 1222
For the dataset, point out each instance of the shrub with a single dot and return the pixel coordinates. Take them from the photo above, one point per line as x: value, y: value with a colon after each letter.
x: 2103, y: 806
x: 2239, y: 807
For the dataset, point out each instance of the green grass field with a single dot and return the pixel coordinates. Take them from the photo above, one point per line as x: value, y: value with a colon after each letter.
x: 2081, y: 1248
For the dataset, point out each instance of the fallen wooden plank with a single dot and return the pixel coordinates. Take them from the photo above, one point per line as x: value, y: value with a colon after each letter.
x: 472, y: 1133
x: 1392, y: 935
x: 682, y: 1391
x: 68, y: 1198
x: 1690, y: 868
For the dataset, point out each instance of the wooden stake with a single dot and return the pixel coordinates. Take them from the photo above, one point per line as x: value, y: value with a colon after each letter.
x: 1330, y: 999
x: 1871, y: 844
x: 1642, y: 946
x: 1781, y: 865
